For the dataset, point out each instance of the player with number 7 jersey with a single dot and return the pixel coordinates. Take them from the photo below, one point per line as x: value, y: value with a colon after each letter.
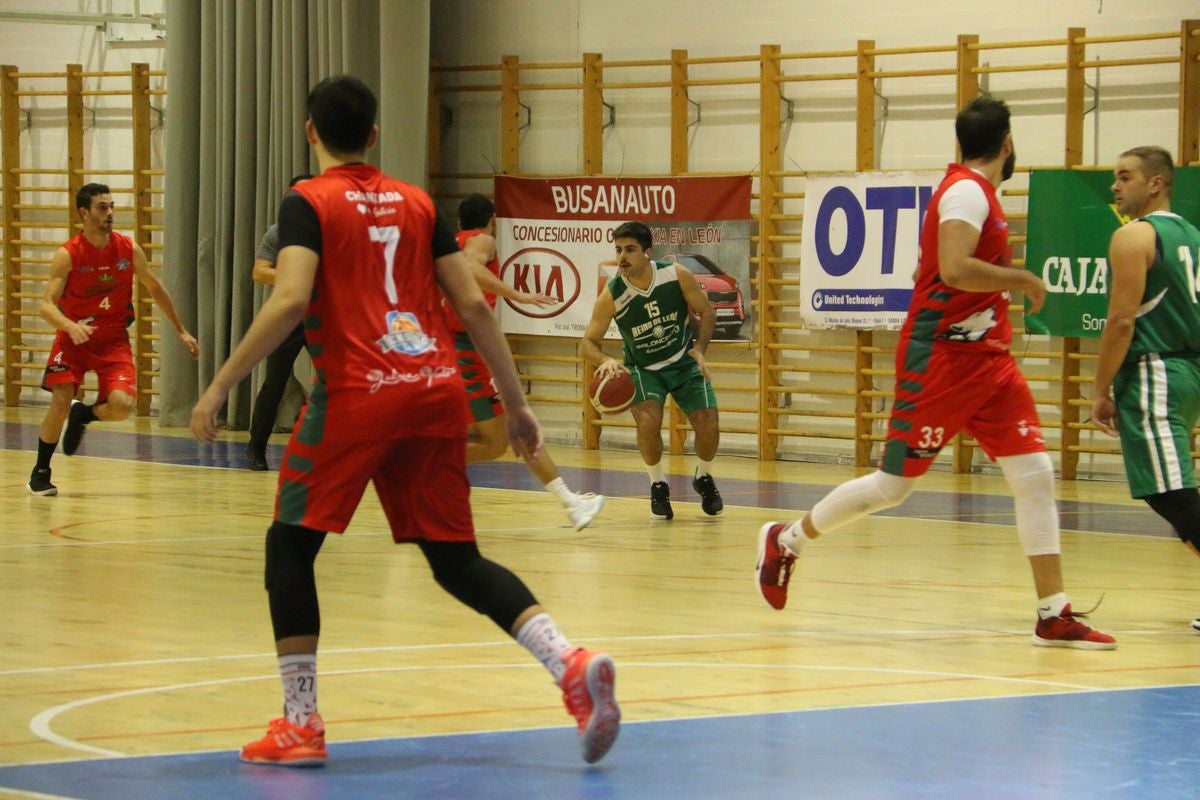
x: 382, y: 352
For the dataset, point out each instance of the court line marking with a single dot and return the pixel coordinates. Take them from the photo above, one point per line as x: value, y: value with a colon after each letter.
x: 40, y: 724
x: 677, y: 720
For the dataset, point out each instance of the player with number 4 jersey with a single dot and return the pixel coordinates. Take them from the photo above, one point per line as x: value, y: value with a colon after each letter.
x: 89, y: 300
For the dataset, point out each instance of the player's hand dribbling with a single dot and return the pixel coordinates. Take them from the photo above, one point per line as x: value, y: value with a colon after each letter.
x: 609, y: 366
x: 204, y: 415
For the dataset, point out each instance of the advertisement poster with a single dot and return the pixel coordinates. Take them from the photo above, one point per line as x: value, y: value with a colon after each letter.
x: 859, y: 247
x: 554, y: 237
x: 1071, y: 219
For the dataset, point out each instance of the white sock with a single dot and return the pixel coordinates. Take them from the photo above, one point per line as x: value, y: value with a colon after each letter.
x: 1053, y: 605
x: 656, y: 472
x: 299, y: 676
x: 792, y: 537
x: 703, y: 467
x: 565, y: 496
x: 540, y: 636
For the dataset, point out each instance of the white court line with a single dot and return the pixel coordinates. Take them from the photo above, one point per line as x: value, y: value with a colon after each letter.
x: 892, y: 633
x: 40, y: 725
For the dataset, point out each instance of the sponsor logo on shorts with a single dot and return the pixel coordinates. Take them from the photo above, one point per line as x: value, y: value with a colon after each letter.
x: 922, y: 452
x: 405, y: 335
x: 427, y: 374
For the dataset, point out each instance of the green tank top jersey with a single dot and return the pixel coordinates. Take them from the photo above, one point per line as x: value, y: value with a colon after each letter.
x: 654, y: 322
x: 1168, y: 320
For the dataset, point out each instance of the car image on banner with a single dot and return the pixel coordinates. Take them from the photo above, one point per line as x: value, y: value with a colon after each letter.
x: 723, y: 292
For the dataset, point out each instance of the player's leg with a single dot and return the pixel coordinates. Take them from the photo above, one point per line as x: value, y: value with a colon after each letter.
x: 1008, y: 430
x: 1158, y: 403
x: 929, y: 409
x: 650, y: 394
x: 65, y: 369
x: 440, y: 522
x: 266, y: 403
x: 113, y: 363
x: 696, y: 398
x: 487, y: 440
x: 320, y: 485
x: 48, y: 436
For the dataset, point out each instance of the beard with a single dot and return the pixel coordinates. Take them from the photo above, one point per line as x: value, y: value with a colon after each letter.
x: 1010, y: 164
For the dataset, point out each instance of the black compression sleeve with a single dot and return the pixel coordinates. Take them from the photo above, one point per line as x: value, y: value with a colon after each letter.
x: 298, y: 223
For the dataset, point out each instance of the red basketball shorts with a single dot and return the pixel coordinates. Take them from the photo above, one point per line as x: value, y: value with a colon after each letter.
x: 982, y: 393
x: 421, y: 483
x: 107, y: 353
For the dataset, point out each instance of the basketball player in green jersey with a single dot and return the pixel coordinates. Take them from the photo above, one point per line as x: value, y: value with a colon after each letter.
x: 1150, y: 348
x: 650, y: 302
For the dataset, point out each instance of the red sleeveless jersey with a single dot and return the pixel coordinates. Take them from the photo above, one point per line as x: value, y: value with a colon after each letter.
x: 940, y: 314
x: 384, y: 358
x: 463, y: 237
x: 99, y: 288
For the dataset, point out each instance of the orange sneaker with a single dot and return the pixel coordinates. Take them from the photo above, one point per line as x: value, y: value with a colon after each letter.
x: 588, y: 693
x: 289, y: 745
x: 1066, y: 630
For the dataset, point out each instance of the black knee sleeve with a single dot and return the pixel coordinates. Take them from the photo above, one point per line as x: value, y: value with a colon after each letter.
x: 290, y: 581
x: 483, y: 585
x: 1181, y: 508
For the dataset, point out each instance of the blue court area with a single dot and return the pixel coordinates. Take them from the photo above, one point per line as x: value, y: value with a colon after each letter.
x: 1136, y: 744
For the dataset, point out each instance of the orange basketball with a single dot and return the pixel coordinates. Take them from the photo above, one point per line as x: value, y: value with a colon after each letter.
x: 611, y: 394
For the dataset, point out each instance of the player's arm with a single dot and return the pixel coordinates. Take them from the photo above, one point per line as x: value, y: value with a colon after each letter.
x: 163, y: 299
x: 460, y: 288
x: 960, y: 269
x: 590, y: 349
x: 697, y: 301
x: 295, y: 273
x: 1131, y: 252
x: 263, y: 272
x: 480, y: 250
x: 60, y: 267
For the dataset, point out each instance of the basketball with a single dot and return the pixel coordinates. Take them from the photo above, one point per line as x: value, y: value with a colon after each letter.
x: 611, y: 394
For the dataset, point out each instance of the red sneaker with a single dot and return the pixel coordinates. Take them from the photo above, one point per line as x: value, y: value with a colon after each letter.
x: 1066, y: 630
x: 588, y: 693
x: 289, y: 745
x: 775, y: 564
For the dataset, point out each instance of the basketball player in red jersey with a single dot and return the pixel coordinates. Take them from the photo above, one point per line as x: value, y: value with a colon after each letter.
x: 364, y: 260
x: 954, y: 372
x: 488, y: 441
x: 89, y: 300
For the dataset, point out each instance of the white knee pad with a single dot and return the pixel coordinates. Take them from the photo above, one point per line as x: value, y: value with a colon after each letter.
x: 1031, y: 478
x: 859, y: 497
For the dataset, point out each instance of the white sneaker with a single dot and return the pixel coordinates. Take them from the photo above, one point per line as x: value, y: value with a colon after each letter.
x: 585, y: 510
x: 1196, y: 625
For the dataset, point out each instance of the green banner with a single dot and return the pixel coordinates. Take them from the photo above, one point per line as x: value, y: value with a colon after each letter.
x: 1071, y: 219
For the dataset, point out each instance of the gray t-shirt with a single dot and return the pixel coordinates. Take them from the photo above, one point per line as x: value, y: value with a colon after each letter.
x: 268, y: 248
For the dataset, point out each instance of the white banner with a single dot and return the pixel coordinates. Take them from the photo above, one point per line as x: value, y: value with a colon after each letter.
x: 861, y: 239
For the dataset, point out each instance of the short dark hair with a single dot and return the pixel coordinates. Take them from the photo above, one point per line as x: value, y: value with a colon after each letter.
x: 303, y: 176
x: 474, y: 212
x: 342, y: 109
x: 981, y: 127
x: 635, y: 230
x: 1155, y: 161
x: 83, y: 198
